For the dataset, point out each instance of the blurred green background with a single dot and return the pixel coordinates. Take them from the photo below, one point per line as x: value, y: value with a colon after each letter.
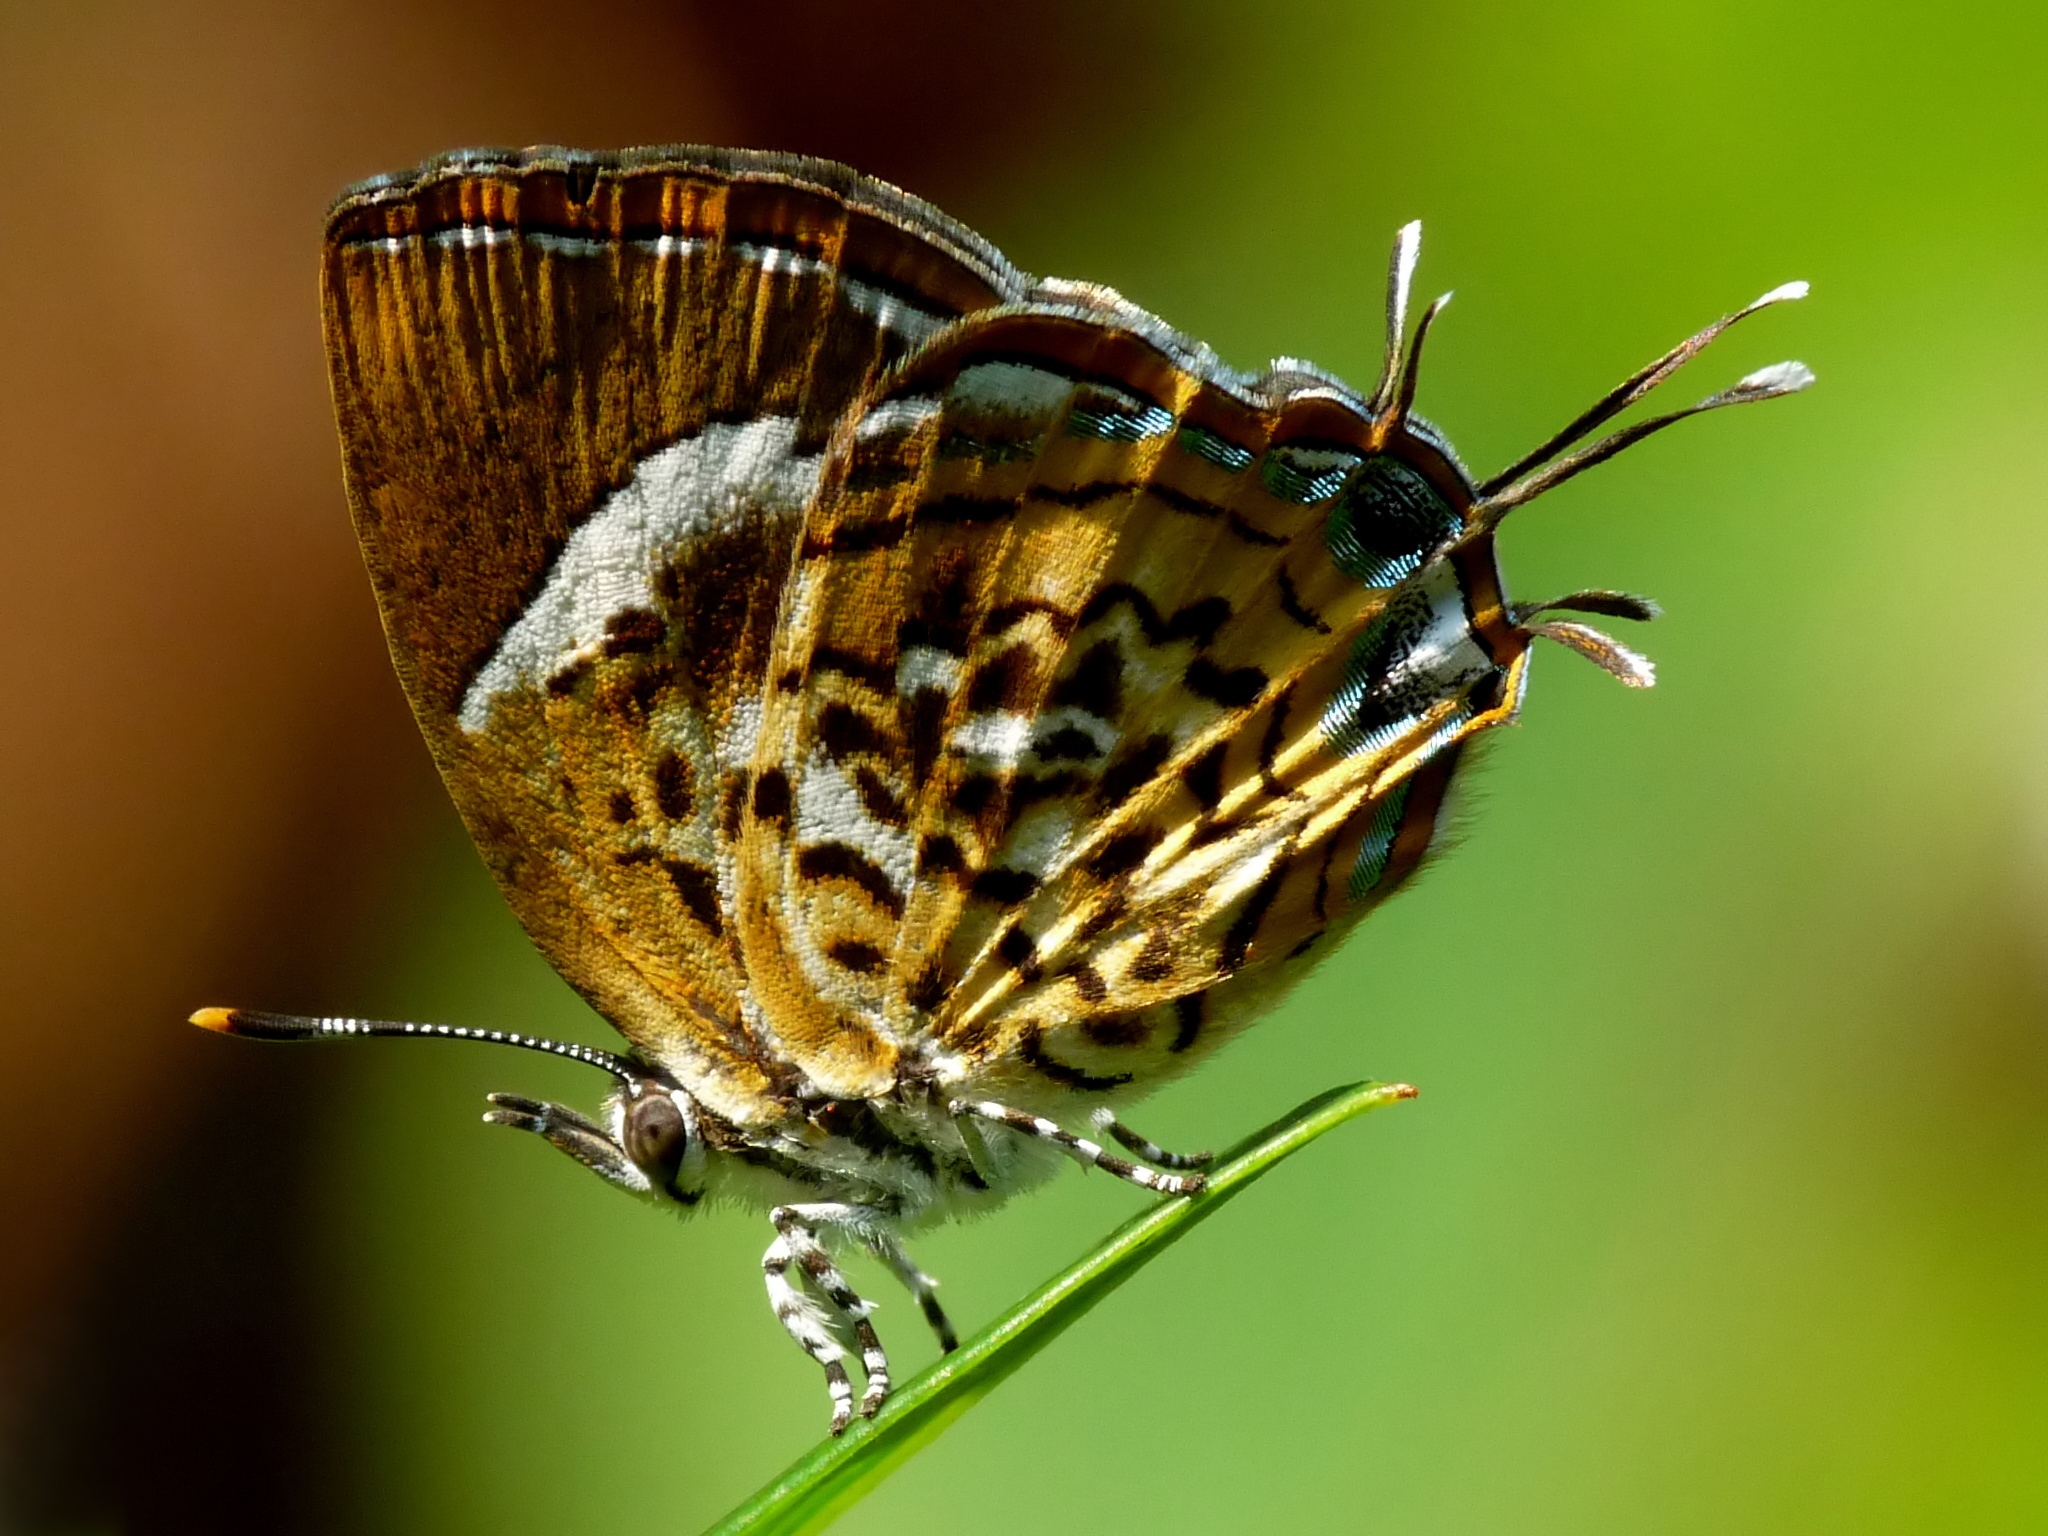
x: 1723, y: 1207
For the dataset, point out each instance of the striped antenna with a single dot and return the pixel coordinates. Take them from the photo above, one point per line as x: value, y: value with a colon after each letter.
x: 1400, y: 277
x: 284, y: 1026
x: 1526, y: 479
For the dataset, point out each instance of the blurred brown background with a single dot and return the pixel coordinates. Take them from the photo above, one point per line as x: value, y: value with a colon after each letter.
x: 207, y: 768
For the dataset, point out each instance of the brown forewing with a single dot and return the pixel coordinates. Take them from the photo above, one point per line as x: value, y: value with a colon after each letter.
x: 509, y: 338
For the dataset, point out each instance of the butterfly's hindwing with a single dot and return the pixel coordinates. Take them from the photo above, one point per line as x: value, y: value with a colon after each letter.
x: 1060, y: 702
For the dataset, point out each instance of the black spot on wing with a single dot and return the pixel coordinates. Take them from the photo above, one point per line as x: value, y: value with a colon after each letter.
x: 878, y: 800
x: 1087, y: 982
x: 1031, y: 1048
x: 736, y: 804
x: 924, y: 723
x: 1272, y: 741
x: 1029, y: 789
x: 1018, y: 950
x: 1292, y: 605
x: 1096, y: 683
x: 673, y: 785
x: 856, y: 956
x: 1116, y: 1031
x: 939, y: 854
x: 841, y: 861
x: 1137, y: 765
x: 1198, y: 621
x: 1122, y: 853
x: 1204, y: 776
x: 1237, y: 940
x: 1154, y: 961
x: 1008, y: 616
x: 1105, y: 917
x: 878, y: 675
x: 771, y: 796
x: 1254, y: 535
x: 695, y: 884
x: 943, y: 618
x: 857, y: 538
x: 1005, y: 886
x: 928, y: 989
x: 845, y: 731
x: 966, y: 509
x: 633, y: 631
x: 1232, y: 687
x: 1068, y: 744
x: 698, y: 888
x: 1004, y: 681
x: 973, y: 795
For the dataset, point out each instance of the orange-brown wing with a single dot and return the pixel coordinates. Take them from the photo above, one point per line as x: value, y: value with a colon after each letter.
x: 583, y: 404
x: 1108, y: 682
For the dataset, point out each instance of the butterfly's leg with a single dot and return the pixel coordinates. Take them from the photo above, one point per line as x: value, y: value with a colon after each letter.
x: 796, y: 1243
x: 1105, y: 1120
x: 919, y: 1284
x: 574, y: 1133
x: 1084, y: 1152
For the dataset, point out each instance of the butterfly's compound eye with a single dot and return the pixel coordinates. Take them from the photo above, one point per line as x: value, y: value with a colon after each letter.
x: 656, y: 1137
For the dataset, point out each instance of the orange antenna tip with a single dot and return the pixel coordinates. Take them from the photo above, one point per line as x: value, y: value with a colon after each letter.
x: 220, y: 1020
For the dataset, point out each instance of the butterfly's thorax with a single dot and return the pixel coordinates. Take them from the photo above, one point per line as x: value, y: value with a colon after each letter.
x: 905, y: 1155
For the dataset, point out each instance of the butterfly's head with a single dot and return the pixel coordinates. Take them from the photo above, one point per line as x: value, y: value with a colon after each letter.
x: 1484, y: 505
x: 656, y: 1125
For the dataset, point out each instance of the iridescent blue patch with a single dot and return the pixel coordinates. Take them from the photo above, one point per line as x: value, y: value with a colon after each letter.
x: 1378, y: 846
x: 1388, y: 519
x: 1360, y: 718
x: 1218, y: 450
x: 1116, y: 417
x: 1307, y: 475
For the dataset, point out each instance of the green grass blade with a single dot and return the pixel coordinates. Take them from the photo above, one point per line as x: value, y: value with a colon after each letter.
x: 822, y: 1485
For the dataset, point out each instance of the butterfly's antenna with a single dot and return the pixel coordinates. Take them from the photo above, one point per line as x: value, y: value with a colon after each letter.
x: 1400, y: 275
x: 283, y: 1026
x: 1526, y: 478
x: 1604, y: 651
x: 1404, y: 401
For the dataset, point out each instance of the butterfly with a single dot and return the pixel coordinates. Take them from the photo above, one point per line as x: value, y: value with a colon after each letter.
x: 921, y: 706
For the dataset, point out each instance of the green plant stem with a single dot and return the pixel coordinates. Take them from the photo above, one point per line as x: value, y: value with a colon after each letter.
x: 826, y: 1482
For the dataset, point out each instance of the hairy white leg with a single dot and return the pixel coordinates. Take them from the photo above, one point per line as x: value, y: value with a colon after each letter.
x: 1105, y: 1120
x: 810, y: 1323
x: 920, y: 1285
x: 1082, y: 1151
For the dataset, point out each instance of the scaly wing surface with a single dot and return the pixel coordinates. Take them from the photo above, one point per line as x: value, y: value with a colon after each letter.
x: 584, y: 402
x: 1107, y: 683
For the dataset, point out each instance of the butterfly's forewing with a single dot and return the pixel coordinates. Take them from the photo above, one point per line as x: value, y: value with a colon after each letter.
x: 1073, y: 763
x: 583, y: 403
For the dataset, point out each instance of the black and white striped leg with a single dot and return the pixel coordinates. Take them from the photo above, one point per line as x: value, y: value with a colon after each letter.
x: 1084, y: 1152
x: 1105, y: 1120
x: 815, y: 1320
x: 574, y: 1133
x: 920, y: 1285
